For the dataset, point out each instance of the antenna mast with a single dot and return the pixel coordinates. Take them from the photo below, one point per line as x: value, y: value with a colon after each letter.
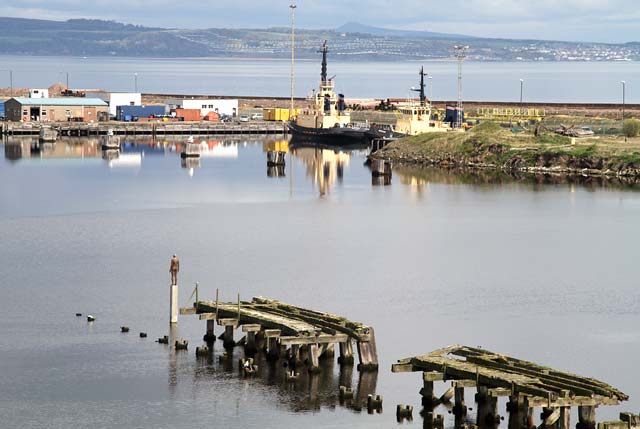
x: 461, y: 54
x: 323, y: 73
x: 420, y: 89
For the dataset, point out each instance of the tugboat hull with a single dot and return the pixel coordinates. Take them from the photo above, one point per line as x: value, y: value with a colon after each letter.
x: 336, y: 136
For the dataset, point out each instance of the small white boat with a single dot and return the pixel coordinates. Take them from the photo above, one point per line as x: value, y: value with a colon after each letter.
x: 48, y: 134
x: 111, y: 142
x: 191, y: 149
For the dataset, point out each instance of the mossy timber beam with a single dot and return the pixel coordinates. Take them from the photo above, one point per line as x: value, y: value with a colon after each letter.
x: 314, y: 331
x: 527, y: 384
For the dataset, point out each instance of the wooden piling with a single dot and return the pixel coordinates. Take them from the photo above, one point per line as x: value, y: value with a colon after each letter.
x: 429, y: 400
x: 447, y: 395
x: 565, y: 418
x: 459, y: 407
x: 346, y: 353
x: 314, y: 358
x: 367, y: 353
x: 228, y: 341
x: 210, y: 335
x: 273, y: 348
x: 487, y: 408
x: 586, y: 417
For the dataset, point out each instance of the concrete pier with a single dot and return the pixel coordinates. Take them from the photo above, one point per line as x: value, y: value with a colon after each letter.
x: 173, y: 304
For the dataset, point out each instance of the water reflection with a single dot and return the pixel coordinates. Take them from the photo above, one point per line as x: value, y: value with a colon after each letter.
x: 325, y: 167
x: 417, y: 179
x: 307, y: 392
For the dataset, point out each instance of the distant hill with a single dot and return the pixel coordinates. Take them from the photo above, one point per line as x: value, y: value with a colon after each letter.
x: 356, y: 27
x: 350, y: 42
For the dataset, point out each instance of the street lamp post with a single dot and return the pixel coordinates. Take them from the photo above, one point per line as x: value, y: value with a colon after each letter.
x: 521, y: 92
x: 293, y: 8
x: 135, y: 82
x: 10, y: 80
x: 624, y: 87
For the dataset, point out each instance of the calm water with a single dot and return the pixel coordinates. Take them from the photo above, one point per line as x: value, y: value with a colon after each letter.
x: 542, y: 271
x: 562, y: 82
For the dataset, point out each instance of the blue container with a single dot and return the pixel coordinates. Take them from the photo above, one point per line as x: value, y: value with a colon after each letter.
x: 1, y: 109
x: 139, y: 111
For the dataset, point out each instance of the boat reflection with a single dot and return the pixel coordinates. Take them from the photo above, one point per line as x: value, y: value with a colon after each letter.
x: 325, y: 167
x: 308, y: 392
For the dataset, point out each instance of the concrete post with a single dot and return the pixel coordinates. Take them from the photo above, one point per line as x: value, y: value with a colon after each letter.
x: 173, y: 304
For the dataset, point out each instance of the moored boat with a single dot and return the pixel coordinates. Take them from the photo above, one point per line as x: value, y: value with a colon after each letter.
x: 326, y: 119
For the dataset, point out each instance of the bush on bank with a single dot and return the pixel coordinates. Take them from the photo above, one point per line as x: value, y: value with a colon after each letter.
x: 631, y: 127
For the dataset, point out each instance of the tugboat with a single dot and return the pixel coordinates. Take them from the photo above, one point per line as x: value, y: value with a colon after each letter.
x: 326, y: 120
x: 413, y: 119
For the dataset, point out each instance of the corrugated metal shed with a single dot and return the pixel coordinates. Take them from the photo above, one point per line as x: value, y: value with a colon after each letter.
x: 63, y: 101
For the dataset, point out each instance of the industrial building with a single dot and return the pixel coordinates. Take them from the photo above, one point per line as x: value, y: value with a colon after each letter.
x: 22, y: 109
x: 115, y: 99
x: 133, y: 113
x: 220, y: 106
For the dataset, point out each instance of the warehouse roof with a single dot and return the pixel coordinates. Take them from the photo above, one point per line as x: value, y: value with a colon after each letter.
x: 63, y: 101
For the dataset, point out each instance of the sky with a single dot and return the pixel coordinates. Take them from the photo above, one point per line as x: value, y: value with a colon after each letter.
x: 573, y: 20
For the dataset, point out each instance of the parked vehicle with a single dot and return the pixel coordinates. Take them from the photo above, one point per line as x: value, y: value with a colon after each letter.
x: 257, y: 117
x: 244, y: 118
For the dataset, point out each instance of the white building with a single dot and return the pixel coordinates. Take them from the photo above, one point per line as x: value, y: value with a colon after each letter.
x: 220, y: 106
x: 39, y: 93
x: 116, y: 99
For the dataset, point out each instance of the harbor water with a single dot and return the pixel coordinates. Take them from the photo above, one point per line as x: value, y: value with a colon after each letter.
x: 580, y: 82
x: 540, y: 269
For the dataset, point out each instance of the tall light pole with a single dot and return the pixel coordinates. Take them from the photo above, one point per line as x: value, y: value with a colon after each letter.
x: 135, y: 82
x: 67, y: 73
x: 10, y: 81
x: 461, y: 54
x: 293, y: 9
x: 430, y: 92
x: 624, y: 87
x: 521, y: 89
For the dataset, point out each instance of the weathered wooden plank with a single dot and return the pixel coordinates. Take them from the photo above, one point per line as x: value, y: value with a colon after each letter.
x: 316, y: 339
x: 432, y: 376
x: 272, y: 333
x: 252, y: 327
x: 403, y: 367
x: 553, y: 374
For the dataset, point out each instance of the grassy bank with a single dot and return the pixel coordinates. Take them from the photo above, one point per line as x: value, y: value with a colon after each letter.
x: 491, y: 146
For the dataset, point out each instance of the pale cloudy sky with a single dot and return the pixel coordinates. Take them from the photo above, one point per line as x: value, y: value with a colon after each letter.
x: 586, y: 20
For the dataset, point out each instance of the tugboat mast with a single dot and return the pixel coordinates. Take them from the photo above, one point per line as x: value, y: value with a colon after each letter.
x: 423, y: 97
x: 323, y: 73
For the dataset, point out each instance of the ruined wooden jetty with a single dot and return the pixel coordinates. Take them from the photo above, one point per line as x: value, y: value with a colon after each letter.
x: 281, y: 329
x: 526, y: 384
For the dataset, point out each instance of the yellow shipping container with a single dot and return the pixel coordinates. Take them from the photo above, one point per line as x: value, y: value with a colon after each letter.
x: 269, y: 114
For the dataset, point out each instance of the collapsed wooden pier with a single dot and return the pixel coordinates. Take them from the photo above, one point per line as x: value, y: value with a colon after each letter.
x: 281, y: 329
x: 527, y: 386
